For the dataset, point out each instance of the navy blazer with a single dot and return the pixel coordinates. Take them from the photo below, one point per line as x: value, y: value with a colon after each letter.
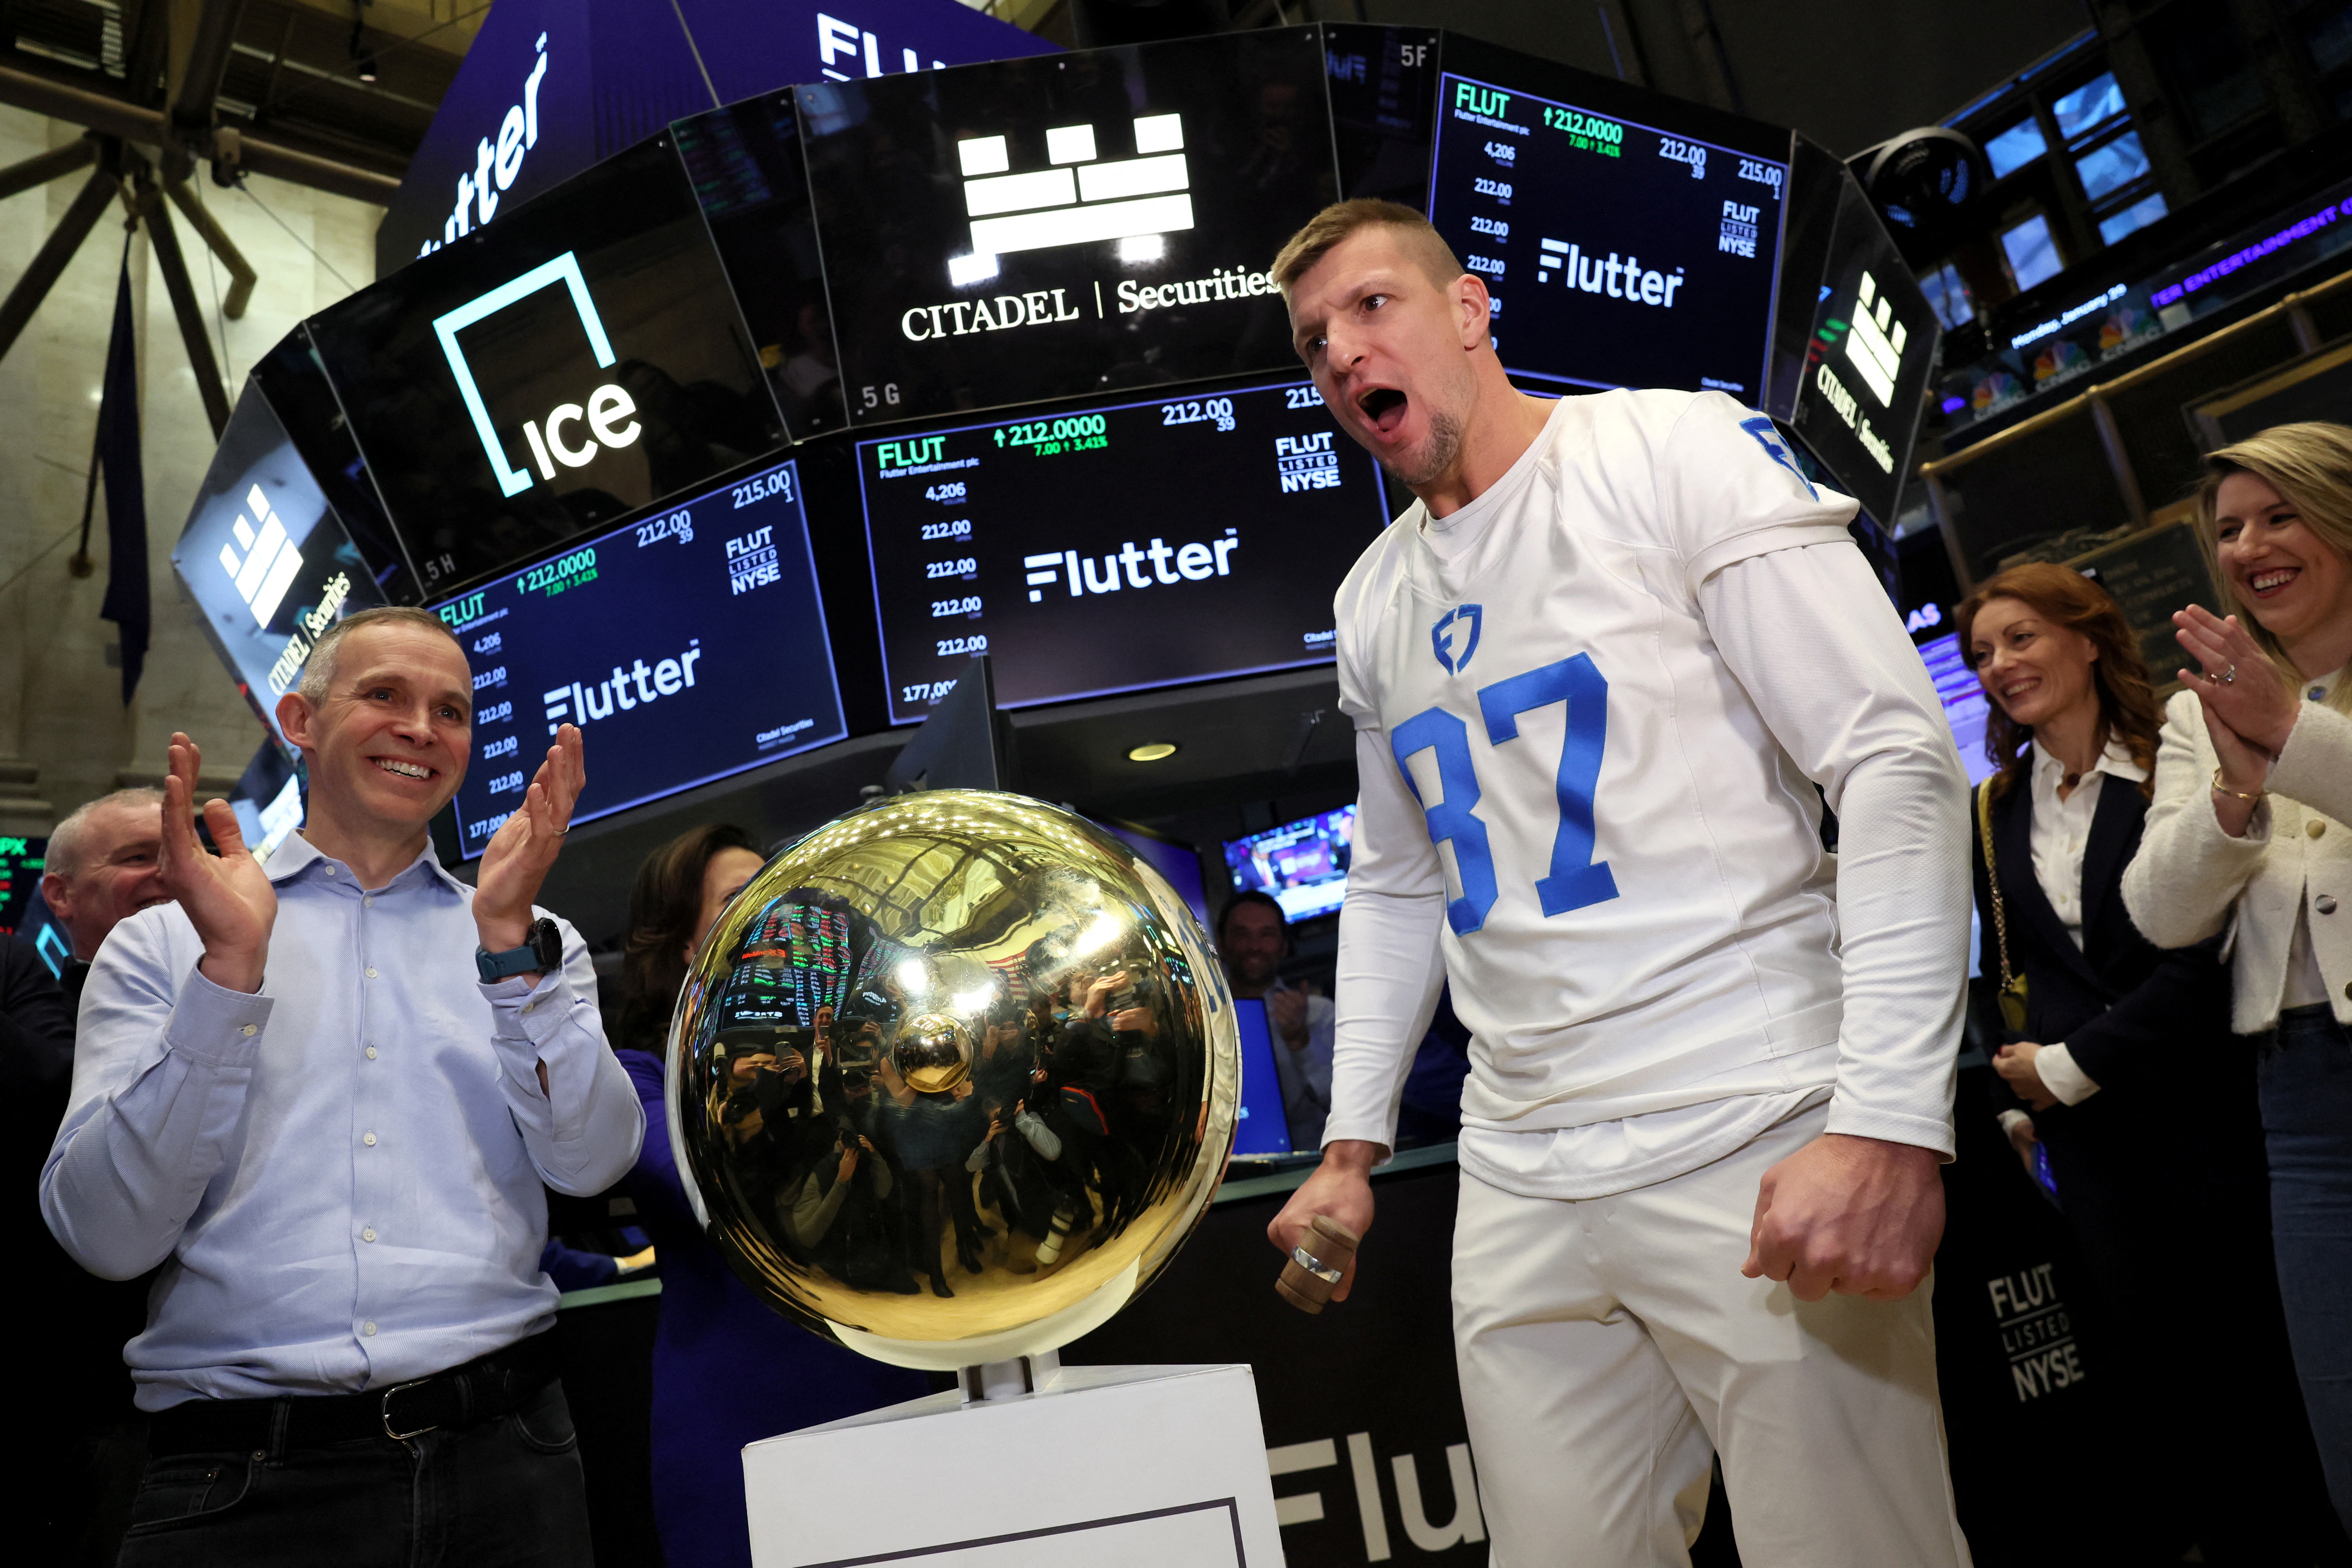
x: 2131, y: 1014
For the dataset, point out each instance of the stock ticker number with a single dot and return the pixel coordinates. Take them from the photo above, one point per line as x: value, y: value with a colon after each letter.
x: 963, y: 566
x: 1217, y: 411
x: 555, y: 576
x: 1484, y: 187
x: 948, y: 492
x: 1303, y: 397
x: 926, y: 692
x: 677, y: 525
x: 496, y: 713
x: 958, y: 528
x: 506, y: 783
x: 779, y: 483
x: 946, y: 647
x: 967, y: 605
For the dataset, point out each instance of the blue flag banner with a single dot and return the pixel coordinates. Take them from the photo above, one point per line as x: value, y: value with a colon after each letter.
x: 126, y: 604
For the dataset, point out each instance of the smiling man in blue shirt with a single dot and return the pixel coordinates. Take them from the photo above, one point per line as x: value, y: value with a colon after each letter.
x: 323, y: 1094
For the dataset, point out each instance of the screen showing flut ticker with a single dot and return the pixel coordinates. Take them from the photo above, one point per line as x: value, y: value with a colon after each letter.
x: 1116, y: 547
x: 1617, y: 253
x: 686, y: 646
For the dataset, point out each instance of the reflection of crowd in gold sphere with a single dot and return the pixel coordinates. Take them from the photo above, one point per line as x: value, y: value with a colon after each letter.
x: 947, y: 1071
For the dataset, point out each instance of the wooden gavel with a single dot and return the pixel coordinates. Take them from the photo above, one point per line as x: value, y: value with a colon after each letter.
x: 1308, y: 1276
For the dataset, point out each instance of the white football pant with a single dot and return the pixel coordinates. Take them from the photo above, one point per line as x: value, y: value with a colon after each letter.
x: 1610, y: 1348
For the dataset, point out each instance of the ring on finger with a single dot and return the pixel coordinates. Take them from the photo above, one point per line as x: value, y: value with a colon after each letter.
x: 2228, y: 675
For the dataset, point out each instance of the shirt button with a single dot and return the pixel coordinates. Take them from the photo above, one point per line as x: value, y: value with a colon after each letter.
x: 2325, y: 904
x: 371, y: 1052
x: 368, y: 1139
x: 371, y: 973
x: 368, y: 1235
x: 368, y: 903
x: 368, y: 1329
x: 331, y: 871
x: 250, y: 1030
x: 2314, y: 827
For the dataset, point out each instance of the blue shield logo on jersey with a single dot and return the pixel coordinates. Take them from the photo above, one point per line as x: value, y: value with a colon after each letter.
x: 1443, y: 636
x: 1769, y: 440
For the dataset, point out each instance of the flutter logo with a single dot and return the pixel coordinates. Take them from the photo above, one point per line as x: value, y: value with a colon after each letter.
x: 577, y: 702
x: 608, y: 409
x: 266, y: 569
x: 1082, y: 199
x: 1170, y: 564
x: 497, y: 165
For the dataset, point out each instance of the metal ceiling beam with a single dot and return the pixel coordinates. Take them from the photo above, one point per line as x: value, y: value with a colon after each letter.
x: 157, y: 216
x: 242, y: 277
x: 49, y: 262
x: 208, y: 53
x: 42, y: 167
x: 112, y: 116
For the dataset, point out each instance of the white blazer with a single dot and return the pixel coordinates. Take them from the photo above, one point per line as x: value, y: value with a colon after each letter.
x: 2190, y: 878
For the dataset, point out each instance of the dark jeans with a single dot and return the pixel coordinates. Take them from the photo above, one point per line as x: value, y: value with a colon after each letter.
x: 2306, y: 1094
x: 507, y: 1491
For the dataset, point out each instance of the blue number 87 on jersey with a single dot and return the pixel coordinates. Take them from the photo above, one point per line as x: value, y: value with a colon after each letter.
x: 1575, y: 880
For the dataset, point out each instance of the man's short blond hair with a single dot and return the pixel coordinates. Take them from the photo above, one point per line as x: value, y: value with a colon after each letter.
x: 1415, y: 236
x: 319, y: 669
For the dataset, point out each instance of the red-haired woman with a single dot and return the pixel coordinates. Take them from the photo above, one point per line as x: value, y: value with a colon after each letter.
x: 2124, y: 1073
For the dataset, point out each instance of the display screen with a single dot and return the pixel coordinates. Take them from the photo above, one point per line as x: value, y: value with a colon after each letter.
x: 265, y: 560
x: 1303, y: 864
x: 1965, y: 707
x: 1619, y: 251
x: 1263, y: 1127
x: 1867, y: 363
x: 579, y: 359
x: 1114, y: 548
x: 1177, y: 862
x: 20, y: 878
x: 1065, y: 225
x: 687, y: 646
x: 751, y: 180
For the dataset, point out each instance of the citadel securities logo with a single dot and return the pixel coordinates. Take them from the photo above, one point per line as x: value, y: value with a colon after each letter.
x: 1440, y: 636
x: 607, y: 407
x: 266, y: 569
x: 1875, y: 350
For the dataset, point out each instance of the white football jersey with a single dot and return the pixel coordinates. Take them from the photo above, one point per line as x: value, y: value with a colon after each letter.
x: 1641, y: 917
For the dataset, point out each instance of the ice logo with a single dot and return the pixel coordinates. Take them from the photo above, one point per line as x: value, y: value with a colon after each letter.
x: 1440, y: 636
x: 1875, y: 342
x: 270, y: 560
x: 1081, y: 200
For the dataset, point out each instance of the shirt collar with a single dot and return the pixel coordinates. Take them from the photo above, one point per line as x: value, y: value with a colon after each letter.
x: 2115, y: 762
x: 296, y: 855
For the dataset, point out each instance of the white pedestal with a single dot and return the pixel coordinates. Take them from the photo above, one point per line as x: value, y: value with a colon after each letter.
x: 1144, y: 1466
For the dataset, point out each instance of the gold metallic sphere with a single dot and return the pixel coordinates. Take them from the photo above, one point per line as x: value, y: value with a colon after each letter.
x: 952, y: 1078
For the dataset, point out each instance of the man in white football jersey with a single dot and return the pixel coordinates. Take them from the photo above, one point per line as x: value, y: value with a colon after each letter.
x: 1597, y: 671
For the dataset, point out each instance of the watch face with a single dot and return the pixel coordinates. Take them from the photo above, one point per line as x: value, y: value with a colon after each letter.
x: 547, y: 943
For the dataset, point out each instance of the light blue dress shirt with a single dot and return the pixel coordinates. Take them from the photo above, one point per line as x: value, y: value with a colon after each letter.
x: 342, y: 1175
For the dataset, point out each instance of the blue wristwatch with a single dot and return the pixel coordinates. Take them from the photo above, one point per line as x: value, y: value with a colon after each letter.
x: 542, y: 952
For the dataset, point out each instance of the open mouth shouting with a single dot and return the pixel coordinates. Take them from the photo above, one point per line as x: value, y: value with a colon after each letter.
x: 1382, y: 408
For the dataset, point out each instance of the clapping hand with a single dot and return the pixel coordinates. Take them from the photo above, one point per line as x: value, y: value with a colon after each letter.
x: 2250, y: 708
x: 524, y: 848
x: 228, y: 897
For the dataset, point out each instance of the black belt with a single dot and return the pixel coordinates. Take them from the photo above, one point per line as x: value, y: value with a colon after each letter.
x: 482, y: 1390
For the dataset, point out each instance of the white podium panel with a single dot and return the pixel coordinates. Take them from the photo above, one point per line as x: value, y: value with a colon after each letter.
x: 1146, y: 1466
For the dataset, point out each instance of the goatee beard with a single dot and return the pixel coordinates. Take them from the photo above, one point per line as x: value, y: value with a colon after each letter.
x: 1437, y: 454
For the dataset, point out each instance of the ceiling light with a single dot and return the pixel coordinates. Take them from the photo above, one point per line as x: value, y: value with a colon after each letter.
x: 1151, y: 752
